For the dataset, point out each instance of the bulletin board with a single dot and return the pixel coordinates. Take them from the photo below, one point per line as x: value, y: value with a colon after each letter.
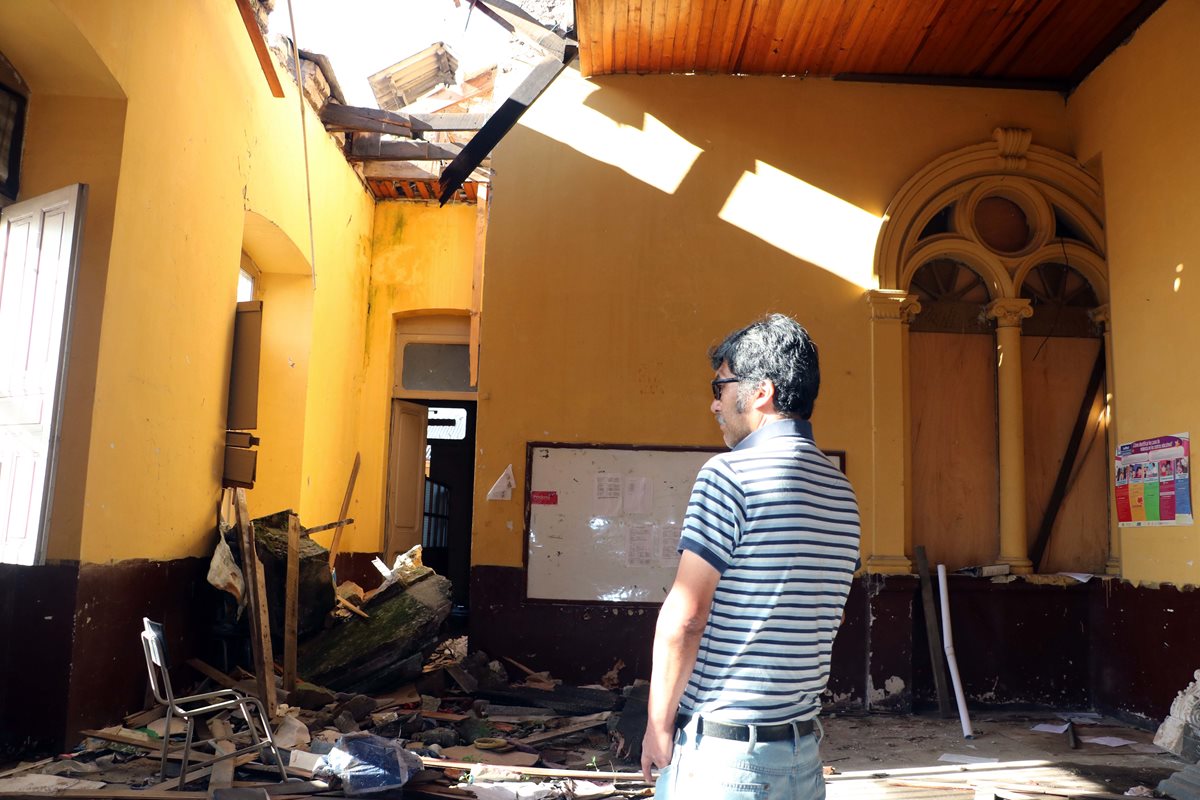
x: 602, y: 522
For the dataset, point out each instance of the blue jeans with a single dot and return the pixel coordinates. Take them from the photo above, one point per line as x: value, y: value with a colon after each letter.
x: 707, y: 768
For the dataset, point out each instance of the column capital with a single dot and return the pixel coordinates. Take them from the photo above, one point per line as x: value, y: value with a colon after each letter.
x: 1009, y: 311
x: 1101, y: 315
x: 891, y: 304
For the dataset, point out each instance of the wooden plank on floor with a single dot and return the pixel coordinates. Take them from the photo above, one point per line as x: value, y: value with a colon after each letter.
x: 260, y: 622
x: 292, y: 603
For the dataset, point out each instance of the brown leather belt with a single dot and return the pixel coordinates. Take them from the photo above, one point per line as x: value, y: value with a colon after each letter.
x: 741, y: 733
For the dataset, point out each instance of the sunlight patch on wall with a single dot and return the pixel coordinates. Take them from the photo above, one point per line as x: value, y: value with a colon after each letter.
x: 654, y: 154
x: 806, y: 222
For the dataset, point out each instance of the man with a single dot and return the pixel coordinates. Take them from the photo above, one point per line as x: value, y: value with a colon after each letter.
x: 769, y: 547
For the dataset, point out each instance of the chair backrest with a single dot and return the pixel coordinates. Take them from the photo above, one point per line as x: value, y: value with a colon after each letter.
x: 154, y: 645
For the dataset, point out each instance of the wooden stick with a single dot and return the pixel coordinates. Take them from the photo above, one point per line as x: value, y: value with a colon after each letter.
x: 627, y: 777
x: 519, y: 666
x: 265, y: 60
x: 222, y: 774
x: 328, y: 526
x: 346, y: 604
x: 292, y: 604
x: 933, y: 634
x: 563, y: 731
x: 337, y: 533
x: 33, y: 765
x: 260, y: 622
x: 218, y: 677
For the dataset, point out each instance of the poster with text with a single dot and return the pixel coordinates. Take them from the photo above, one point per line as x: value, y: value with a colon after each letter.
x: 1153, y: 482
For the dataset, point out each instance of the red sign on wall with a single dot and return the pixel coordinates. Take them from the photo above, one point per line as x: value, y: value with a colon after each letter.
x: 543, y: 498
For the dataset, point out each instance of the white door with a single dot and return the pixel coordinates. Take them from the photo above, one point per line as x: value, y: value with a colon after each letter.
x: 406, y: 477
x: 39, y: 246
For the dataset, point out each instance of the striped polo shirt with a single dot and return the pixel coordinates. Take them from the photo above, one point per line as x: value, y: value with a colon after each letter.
x: 780, y: 523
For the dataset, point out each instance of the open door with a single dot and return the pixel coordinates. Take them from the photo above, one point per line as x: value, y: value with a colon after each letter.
x: 406, y: 478
x: 39, y: 253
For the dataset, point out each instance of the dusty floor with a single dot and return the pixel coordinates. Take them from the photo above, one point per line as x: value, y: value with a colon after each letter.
x: 878, y: 756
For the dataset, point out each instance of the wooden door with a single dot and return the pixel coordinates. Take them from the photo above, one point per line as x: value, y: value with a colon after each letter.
x: 39, y: 248
x: 406, y: 477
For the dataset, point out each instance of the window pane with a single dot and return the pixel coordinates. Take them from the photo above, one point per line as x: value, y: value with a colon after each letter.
x: 436, y: 368
x: 245, y: 286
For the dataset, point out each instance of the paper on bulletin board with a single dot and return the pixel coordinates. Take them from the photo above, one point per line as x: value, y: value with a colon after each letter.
x: 1153, y: 482
x: 606, y: 499
x: 638, y: 498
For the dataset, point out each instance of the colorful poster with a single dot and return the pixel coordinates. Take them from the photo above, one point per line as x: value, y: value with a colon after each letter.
x: 1152, y: 483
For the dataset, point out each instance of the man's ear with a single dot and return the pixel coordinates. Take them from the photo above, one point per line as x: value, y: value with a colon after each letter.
x: 764, y: 397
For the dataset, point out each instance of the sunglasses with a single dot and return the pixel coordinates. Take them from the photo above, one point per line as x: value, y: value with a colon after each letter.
x: 719, y: 382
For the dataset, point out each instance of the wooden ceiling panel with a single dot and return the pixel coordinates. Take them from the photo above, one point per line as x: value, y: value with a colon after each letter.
x: 1049, y: 43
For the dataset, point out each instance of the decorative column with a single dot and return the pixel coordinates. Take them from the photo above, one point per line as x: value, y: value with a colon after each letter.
x: 888, y: 528
x: 1103, y: 316
x: 1014, y: 545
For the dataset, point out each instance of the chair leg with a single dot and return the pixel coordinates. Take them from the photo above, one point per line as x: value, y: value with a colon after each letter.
x: 162, y: 769
x: 262, y: 716
x: 187, y: 746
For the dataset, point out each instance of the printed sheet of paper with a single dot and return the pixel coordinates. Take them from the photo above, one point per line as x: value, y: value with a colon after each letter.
x: 606, y: 498
x: 637, y: 498
x: 502, y: 488
x: 640, y: 551
x: 668, y: 542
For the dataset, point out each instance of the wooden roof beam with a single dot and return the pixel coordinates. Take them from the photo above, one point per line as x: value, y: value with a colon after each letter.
x: 371, y: 147
x: 337, y: 117
x: 515, y: 19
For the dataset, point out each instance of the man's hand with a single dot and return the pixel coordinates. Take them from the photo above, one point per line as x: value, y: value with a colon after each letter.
x: 656, y: 750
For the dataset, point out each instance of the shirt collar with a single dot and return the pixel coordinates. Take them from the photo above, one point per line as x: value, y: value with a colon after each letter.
x: 783, y: 427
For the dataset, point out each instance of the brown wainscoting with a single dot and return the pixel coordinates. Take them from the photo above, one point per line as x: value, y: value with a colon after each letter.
x: 576, y: 642
x: 889, y: 655
x: 1144, y: 648
x: 37, y: 609
x: 108, y: 669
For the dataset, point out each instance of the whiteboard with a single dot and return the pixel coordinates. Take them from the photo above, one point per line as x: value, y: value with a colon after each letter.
x: 603, y: 521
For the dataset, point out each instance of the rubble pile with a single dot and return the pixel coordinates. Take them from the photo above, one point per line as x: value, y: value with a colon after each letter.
x: 384, y: 705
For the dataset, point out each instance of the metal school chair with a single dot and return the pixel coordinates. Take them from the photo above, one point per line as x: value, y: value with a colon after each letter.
x: 200, y: 705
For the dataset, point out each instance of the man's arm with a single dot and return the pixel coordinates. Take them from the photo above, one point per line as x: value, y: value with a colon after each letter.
x: 676, y: 641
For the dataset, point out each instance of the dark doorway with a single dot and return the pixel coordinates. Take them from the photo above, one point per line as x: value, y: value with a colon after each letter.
x: 449, y: 494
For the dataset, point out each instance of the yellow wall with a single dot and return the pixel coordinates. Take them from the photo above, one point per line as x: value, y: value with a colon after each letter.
x: 1140, y: 114
x: 609, y: 275
x: 423, y: 261
x: 202, y: 142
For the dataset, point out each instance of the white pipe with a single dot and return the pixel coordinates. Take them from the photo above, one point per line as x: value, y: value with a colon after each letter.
x: 948, y: 642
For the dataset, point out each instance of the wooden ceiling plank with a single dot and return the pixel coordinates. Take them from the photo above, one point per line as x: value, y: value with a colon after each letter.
x: 974, y: 31
x: 852, y: 38
x: 946, y: 30
x: 633, y: 48
x: 906, y: 49
x: 655, y: 36
x: 672, y: 31
x: 661, y: 35
x: 762, y: 30
x: 815, y: 15
x: 1001, y: 62
x: 830, y: 33
x: 734, y: 47
x: 886, y: 25
x: 708, y: 25
x: 646, y: 35
x: 697, y: 11
x: 710, y: 55
x: 775, y: 61
x: 1016, y: 19
x: 423, y: 188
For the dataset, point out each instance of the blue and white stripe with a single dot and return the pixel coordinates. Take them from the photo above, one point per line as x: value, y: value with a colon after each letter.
x: 780, y: 523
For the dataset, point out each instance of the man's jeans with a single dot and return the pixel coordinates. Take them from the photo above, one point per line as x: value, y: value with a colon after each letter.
x: 707, y: 768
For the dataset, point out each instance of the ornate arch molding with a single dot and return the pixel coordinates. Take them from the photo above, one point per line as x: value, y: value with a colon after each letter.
x: 1036, y: 178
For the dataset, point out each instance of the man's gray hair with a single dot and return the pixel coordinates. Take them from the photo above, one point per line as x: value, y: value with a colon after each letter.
x: 776, y: 349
